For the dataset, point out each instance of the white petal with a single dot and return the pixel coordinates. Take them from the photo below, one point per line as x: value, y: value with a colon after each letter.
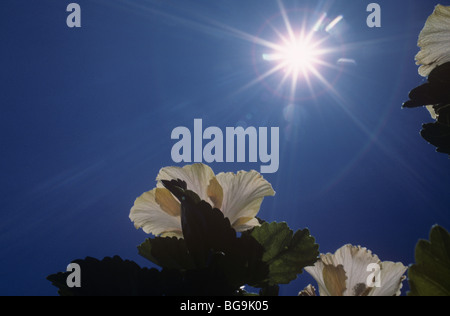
x: 308, y: 291
x: 243, y: 224
x: 243, y: 194
x: 330, y: 277
x: 316, y: 272
x: 391, y: 278
x: 196, y: 176
x: 149, y: 216
x: 433, y: 113
x: 355, y: 261
x: 434, y: 41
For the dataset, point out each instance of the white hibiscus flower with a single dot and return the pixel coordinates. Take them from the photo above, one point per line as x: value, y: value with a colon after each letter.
x: 434, y: 41
x: 238, y: 196
x: 348, y: 273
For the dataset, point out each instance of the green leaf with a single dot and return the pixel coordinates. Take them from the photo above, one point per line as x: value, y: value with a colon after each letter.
x: 168, y: 253
x: 430, y: 275
x: 285, y: 253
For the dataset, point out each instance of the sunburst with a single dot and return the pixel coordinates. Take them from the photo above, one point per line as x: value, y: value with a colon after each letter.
x: 297, y: 57
x: 300, y: 54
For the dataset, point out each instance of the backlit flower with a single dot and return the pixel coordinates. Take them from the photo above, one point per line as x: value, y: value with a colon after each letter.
x: 355, y: 271
x: 238, y: 196
x: 434, y: 41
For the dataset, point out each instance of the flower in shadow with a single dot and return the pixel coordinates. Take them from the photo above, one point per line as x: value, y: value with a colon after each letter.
x: 238, y: 196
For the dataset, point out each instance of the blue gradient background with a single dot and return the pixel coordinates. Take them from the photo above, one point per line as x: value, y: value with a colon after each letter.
x: 86, y: 116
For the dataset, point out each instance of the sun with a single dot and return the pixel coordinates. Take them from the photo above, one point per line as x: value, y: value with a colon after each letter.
x: 298, y: 54
x: 296, y: 57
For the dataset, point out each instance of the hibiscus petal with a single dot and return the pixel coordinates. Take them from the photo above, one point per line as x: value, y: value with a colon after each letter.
x: 308, y: 291
x: 433, y: 41
x: 316, y: 272
x: 148, y: 215
x: 215, y: 193
x: 243, y: 194
x: 332, y: 282
x: 391, y: 278
x: 196, y: 176
x: 432, y: 111
x: 334, y: 279
x: 167, y: 202
x: 355, y: 260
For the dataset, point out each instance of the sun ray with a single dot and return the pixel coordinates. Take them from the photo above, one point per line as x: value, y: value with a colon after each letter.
x: 280, y: 35
x: 286, y: 20
x: 282, y: 81
x: 261, y: 77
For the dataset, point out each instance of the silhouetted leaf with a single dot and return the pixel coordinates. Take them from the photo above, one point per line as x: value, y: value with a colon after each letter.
x: 270, y: 291
x: 116, y: 277
x: 443, y: 111
x: 436, y: 93
x: 110, y: 277
x: 168, y: 253
x: 440, y: 76
x: 430, y: 275
x: 425, y: 94
x: 438, y: 135
x: 213, y: 244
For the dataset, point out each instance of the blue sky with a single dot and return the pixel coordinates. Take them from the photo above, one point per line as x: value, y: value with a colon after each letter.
x: 87, y: 114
